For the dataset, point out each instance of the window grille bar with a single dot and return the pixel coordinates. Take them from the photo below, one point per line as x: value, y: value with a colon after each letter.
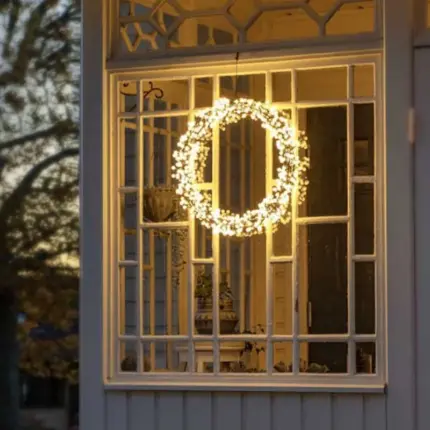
x: 117, y: 233
x: 191, y: 257
x: 215, y: 236
x: 128, y: 263
x: 151, y: 238
x: 269, y: 237
x: 139, y: 203
x: 128, y: 190
x: 169, y: 241
x: 314, y: 338
x: 295, y: 237
x: 164, y: 225
x: 243, y: 190
x: 336, y: 219
x: 378, y: 151
x: 363, y: 179
x: 350, y: 232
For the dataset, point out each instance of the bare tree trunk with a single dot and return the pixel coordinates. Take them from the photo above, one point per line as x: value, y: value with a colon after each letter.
x: 9, y: 370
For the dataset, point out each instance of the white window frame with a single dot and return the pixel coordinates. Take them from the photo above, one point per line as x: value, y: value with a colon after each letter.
x: 296, y: 381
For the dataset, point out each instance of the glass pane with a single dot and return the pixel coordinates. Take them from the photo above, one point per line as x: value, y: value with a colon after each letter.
x: 203, y: 294
x: 281, y: 87
x: 366, y: 357
x: 160, y: 138
x: 164, y: 282
x: 353, y: 18
x: 364, y: 138
x: 167, y: 356
x: 323, y: 279
x: 203, y: 92
x: 165, y: 95
x: 322, y: 84
x: 282, y: 357
x: 203, y: 357
x: 203, y: 241
x: 365, y: 298
x: 282, y: 245
x: 128, y: 356
x: 128, y: 212
x: 128, y: 96
x: 128, y: 139
x: 323, y: 357
x: 326, y: 193
x: 128, y: 280
x: 252, y: 86
x: 363, y: 78
x: 364, y: 218
x: 128, y: 238
x: 282, y: 275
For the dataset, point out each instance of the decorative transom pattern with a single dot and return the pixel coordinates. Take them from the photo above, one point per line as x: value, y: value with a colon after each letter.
x: 157, y: 25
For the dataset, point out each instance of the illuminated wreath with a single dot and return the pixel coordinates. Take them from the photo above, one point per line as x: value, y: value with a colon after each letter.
x: 190, y: 160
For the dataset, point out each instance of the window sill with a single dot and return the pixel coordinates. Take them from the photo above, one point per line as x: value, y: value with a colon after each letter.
x: 306, y: 384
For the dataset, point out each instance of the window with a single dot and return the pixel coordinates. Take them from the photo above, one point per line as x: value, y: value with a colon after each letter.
x: 301, y: 305
x: 149, y: 25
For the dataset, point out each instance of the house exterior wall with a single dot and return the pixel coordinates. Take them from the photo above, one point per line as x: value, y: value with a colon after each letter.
x: 250, y: 411
x: 404, y: 405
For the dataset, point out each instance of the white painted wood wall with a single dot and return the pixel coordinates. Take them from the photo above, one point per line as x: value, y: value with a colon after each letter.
x: 406, y: 404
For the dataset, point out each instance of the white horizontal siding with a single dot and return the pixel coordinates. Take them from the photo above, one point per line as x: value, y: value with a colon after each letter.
x: 244, y: 411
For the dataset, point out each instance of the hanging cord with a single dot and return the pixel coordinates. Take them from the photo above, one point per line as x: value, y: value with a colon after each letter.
x: 236, y: 78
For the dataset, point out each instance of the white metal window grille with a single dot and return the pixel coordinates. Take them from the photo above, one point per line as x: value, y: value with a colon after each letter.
x: 287, y: 305
x: 159, y: 26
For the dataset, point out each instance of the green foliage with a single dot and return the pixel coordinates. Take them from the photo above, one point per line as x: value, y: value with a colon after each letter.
x: 39, y: 114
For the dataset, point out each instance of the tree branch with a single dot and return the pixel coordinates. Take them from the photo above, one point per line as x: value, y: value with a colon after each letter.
x: 59, y: 129
x: 14, y: 201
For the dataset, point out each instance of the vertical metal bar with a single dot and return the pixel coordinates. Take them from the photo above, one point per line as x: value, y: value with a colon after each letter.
x: 215, y: 236
x: 295, y: 238
x: 191, y: 256
x: 350, y: 235
x: 139, y: 203
x: 151, y: 235
x: 269, y: 237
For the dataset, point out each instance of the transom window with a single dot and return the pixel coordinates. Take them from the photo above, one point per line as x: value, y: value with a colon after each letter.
x: 160, y: 26
x: 304, y: 302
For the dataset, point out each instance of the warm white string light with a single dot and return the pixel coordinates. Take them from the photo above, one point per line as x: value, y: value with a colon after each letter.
x: 190, y: 161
